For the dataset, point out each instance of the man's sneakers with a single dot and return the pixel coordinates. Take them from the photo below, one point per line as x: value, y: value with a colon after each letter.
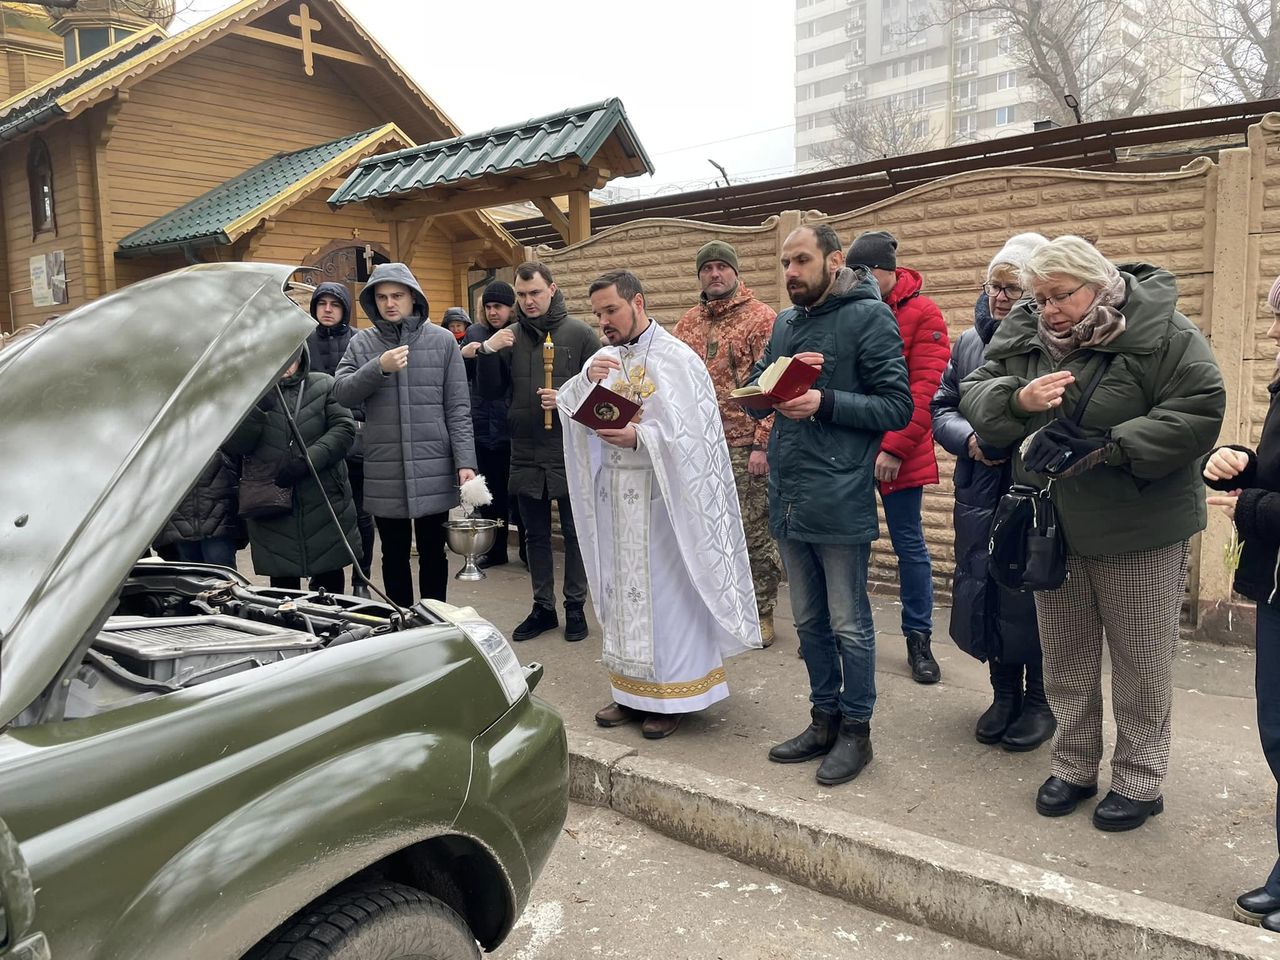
x: 541, y: 619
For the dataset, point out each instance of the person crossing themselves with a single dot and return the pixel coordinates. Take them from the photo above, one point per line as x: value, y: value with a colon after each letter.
x: 906, y: 463
x: 657, y: 520
x: 728, y: 330
x: 822, y: 503
x: 408, y: 375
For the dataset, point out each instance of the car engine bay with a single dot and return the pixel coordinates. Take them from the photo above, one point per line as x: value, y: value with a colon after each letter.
x: 178, y: 626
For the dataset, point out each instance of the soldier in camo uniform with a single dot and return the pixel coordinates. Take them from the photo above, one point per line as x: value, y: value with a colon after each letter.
x: 729, y: 329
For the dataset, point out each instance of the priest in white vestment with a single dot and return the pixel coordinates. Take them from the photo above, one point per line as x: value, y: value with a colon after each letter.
x: 658, y: 519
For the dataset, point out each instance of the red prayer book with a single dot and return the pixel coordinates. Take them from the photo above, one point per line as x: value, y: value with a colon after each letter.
x: 603, y: 409
x: 784, y: 379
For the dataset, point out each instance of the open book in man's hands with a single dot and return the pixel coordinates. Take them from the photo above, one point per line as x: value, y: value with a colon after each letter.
x: 605, y: 410
x: 784, y: 379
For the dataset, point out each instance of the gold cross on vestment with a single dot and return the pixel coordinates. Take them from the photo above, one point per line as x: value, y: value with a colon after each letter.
x: 306, y: 24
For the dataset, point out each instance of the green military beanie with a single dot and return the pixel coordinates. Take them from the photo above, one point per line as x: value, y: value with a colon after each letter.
x: 718, y: 250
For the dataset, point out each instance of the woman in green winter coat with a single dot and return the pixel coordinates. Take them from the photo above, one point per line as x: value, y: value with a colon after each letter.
x: 1128, y: 494
x: 303, y: 542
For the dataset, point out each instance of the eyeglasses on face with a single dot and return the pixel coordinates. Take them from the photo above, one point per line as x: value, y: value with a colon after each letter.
x: 995, y: 290
x: 1039, y: 303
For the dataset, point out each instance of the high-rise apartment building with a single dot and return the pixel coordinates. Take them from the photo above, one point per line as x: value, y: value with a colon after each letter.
x: 948, y: 83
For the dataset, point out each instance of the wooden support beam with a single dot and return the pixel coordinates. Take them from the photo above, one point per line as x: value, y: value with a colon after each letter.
x: 510, y: 192
x: 468, y: 251
x: 295, y: 43
x: 579, y: 216
x: 547, y: 207
x: 102, y: 188
x: 404, y: 237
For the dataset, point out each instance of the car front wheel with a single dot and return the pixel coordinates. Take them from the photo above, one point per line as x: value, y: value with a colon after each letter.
x: 376, y: 921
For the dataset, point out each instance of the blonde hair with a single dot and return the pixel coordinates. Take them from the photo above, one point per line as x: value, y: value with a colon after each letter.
x: 1005, y: 273
x: 1073, y: 256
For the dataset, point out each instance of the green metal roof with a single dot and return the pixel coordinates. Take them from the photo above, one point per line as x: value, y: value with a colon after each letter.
x: 203, y: 221
x: 573, y: 134
x: 28, y: 112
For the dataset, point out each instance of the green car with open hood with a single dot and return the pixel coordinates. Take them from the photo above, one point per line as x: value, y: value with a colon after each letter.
x: 195, y: 767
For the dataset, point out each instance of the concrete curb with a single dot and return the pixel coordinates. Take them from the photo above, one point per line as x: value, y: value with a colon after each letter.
x: 978, y: 897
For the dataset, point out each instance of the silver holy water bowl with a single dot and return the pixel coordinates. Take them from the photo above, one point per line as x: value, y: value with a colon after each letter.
x: 469, y: 539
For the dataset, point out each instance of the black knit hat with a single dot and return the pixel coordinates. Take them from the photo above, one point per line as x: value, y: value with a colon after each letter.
x: 876, y: 249
x: 499, y: 291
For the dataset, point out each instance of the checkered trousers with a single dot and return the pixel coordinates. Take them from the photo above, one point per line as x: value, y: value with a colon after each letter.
x: 1134, y: 599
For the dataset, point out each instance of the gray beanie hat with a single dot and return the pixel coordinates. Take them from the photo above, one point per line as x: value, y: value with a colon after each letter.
x: 717, y: 250
x: 876, y: 249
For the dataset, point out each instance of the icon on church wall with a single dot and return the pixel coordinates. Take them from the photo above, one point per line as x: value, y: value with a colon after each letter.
x: 49, y: 279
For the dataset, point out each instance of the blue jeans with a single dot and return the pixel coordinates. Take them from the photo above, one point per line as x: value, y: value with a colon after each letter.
x: 1268, y: 694
x: 915, y: 569
x: 219, y: 550
x: 832, y: 614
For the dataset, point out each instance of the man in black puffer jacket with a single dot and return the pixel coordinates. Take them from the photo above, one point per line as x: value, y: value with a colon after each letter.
x: 331, y: 309
x: 205, y: 528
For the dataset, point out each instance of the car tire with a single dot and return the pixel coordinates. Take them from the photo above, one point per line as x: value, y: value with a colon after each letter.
x: 375, y: 921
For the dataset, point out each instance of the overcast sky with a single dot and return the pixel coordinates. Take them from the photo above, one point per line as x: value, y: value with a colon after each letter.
x: 699, y: 79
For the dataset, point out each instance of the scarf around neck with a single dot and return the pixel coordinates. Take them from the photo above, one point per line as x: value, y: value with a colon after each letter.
x: 1100, y: 325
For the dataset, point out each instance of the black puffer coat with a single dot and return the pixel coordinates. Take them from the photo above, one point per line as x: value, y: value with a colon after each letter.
x: 209, y: 510
x: 326, y: 345
x: 489, y: 417
x: 303, y: 542
x: 987, y: 621
x: 537, y: 454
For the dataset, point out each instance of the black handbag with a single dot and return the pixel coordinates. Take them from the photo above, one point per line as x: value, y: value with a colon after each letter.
x: 1026, y: 550
x: 261, y: 498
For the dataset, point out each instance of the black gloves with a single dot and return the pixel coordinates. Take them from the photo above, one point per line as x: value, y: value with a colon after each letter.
x: 1061, y: 449
x: 293, y: 471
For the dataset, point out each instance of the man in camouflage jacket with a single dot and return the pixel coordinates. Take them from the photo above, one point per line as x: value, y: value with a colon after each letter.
x: 729, y: 330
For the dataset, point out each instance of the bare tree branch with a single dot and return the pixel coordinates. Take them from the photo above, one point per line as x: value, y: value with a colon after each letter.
x: 869, y: 130
x: 1100, y: 51
x: 1231, y: 46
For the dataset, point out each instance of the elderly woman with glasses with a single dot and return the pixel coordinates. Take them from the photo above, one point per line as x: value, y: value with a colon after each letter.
x: 1122, y: 471
x: 988, y: 621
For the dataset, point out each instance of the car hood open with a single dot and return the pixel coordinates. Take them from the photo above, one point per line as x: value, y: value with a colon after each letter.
x: 107, y: 416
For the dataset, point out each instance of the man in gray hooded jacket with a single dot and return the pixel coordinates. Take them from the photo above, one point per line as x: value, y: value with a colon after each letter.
x: 409, y: 377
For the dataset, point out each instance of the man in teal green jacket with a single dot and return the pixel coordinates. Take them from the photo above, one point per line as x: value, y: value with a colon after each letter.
x: 822, y: 505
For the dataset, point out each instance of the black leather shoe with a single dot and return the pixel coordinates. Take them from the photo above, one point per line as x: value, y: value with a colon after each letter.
x: 1116, y: 813
x: 540, y: 620
x: 1057, y: 798
x: 575, y: 624
x: 816, y: 740
x: 848, y: 755
x: 1271, y: 922
x: 1006, y: 685
x: 487, y: 561
x: 1253, y: 906
x: 924, y: 669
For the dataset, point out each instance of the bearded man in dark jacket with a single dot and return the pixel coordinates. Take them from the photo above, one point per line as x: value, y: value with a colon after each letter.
x: 331, y: 309
x: 509, y: 365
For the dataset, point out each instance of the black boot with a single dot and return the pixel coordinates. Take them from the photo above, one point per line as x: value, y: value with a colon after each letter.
x: 851, y: 752
x: 1036, y: 723
x: 540, y: 620
x: 924, y: 669
x: 575, y: 623
x: 816, y: 739
x: 1006, y: 683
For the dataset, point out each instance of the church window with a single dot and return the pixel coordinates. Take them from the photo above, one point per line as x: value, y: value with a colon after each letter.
x: 40, y: 186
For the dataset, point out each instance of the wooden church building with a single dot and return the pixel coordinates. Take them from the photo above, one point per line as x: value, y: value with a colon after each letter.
x: 126, y: 152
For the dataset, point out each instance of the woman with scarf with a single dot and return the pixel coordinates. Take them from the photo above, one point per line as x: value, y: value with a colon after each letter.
x: 1126, y: 486
x: 1248, y: 482
x: 988, y: 621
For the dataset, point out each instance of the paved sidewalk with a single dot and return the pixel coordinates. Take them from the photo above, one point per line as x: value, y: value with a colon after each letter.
x: 1215, y: 839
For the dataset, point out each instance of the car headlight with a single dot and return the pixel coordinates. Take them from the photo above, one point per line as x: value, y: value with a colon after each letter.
x: 491, y: 643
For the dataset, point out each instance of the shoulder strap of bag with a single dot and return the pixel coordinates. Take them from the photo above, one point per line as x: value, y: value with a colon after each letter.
x: 297, y: 408
x: 1087, y: 395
